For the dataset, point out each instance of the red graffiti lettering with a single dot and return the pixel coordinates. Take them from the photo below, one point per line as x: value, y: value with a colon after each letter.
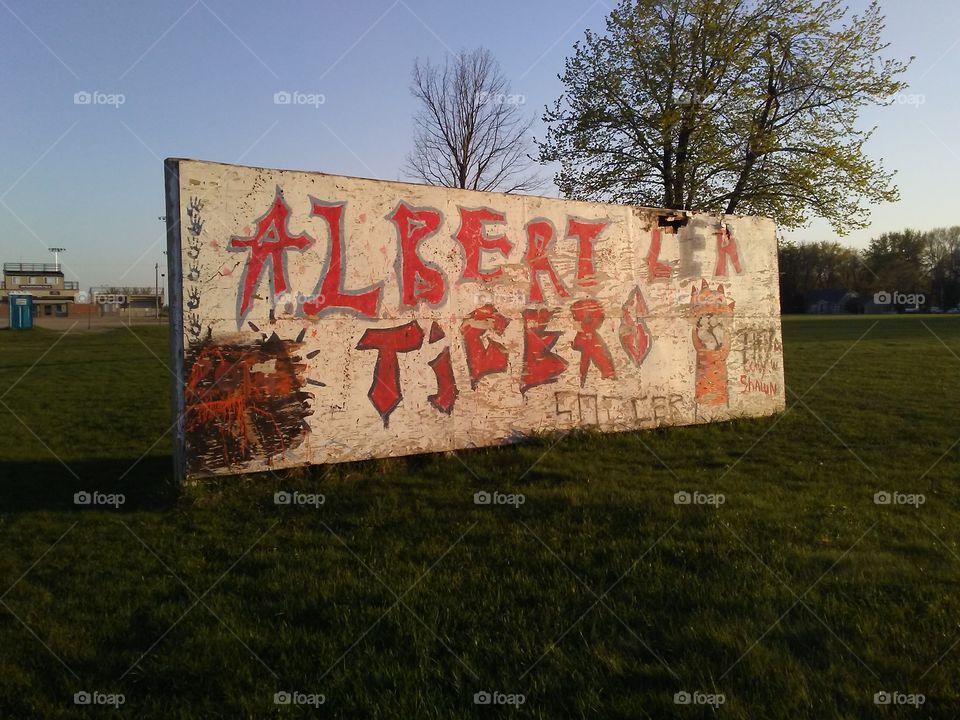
x: 755, y: 385
x: 419, y: 282
x: 446, y: 395
x: 540, y: 364
x: 473, y: 238
x: 385, y: 391
x: 540, y: 235
x: 634, y: 336
x: 484, y: 359
x: 726, y: 248
x: 267, y: 246
x: 436, y: 332
x: 587, y: 233
x: 589, y: 313
x: 331, y: 293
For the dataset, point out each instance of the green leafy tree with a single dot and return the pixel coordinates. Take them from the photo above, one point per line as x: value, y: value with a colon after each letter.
x: 734, y: 106
x: 942, y: 260
x: 823, y: 265
x: 898, y: 261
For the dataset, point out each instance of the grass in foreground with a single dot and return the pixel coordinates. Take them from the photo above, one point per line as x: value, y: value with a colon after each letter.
x: 799, y: 597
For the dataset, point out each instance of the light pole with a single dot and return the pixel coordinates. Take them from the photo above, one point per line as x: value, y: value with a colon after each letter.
x: 56, y: 263
x: 156, y: 283
x: 156, y: 276
x: 56, y: 256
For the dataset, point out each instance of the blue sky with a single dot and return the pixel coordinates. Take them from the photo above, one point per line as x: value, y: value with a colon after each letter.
x: 198, y: 78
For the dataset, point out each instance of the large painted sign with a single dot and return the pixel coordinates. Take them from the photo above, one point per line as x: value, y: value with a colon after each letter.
x: 318, y: 318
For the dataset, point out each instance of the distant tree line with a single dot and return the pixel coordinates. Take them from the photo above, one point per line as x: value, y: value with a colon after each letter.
x: 908, y: 262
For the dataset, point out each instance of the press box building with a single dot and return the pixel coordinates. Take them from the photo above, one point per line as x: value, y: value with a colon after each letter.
x: 52, y: 295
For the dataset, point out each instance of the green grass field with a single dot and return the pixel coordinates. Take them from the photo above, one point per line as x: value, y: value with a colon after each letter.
x: 598, y: 597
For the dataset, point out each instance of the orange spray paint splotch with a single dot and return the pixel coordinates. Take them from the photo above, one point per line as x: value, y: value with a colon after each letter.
x: 244, y: 401
x: 710, y: 310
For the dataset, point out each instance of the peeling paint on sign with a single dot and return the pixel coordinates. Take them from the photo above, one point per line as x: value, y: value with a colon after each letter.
x: 318, y: 318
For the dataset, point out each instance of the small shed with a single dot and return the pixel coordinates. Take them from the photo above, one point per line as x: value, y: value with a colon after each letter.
x: 831, y: 302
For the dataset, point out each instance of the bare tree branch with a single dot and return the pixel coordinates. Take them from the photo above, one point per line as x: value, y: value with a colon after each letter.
x: 470, y: 132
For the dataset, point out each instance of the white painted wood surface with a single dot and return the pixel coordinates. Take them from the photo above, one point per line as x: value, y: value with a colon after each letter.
x: 232, y: 427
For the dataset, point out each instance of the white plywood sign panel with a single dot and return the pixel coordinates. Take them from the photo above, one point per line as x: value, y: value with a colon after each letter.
x: 318, y: 318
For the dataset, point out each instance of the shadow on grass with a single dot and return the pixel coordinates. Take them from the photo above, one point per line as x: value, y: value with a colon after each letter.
x: 50, y: 485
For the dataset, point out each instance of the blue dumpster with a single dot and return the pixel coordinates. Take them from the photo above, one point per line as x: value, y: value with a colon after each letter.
x: 21, y: 311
